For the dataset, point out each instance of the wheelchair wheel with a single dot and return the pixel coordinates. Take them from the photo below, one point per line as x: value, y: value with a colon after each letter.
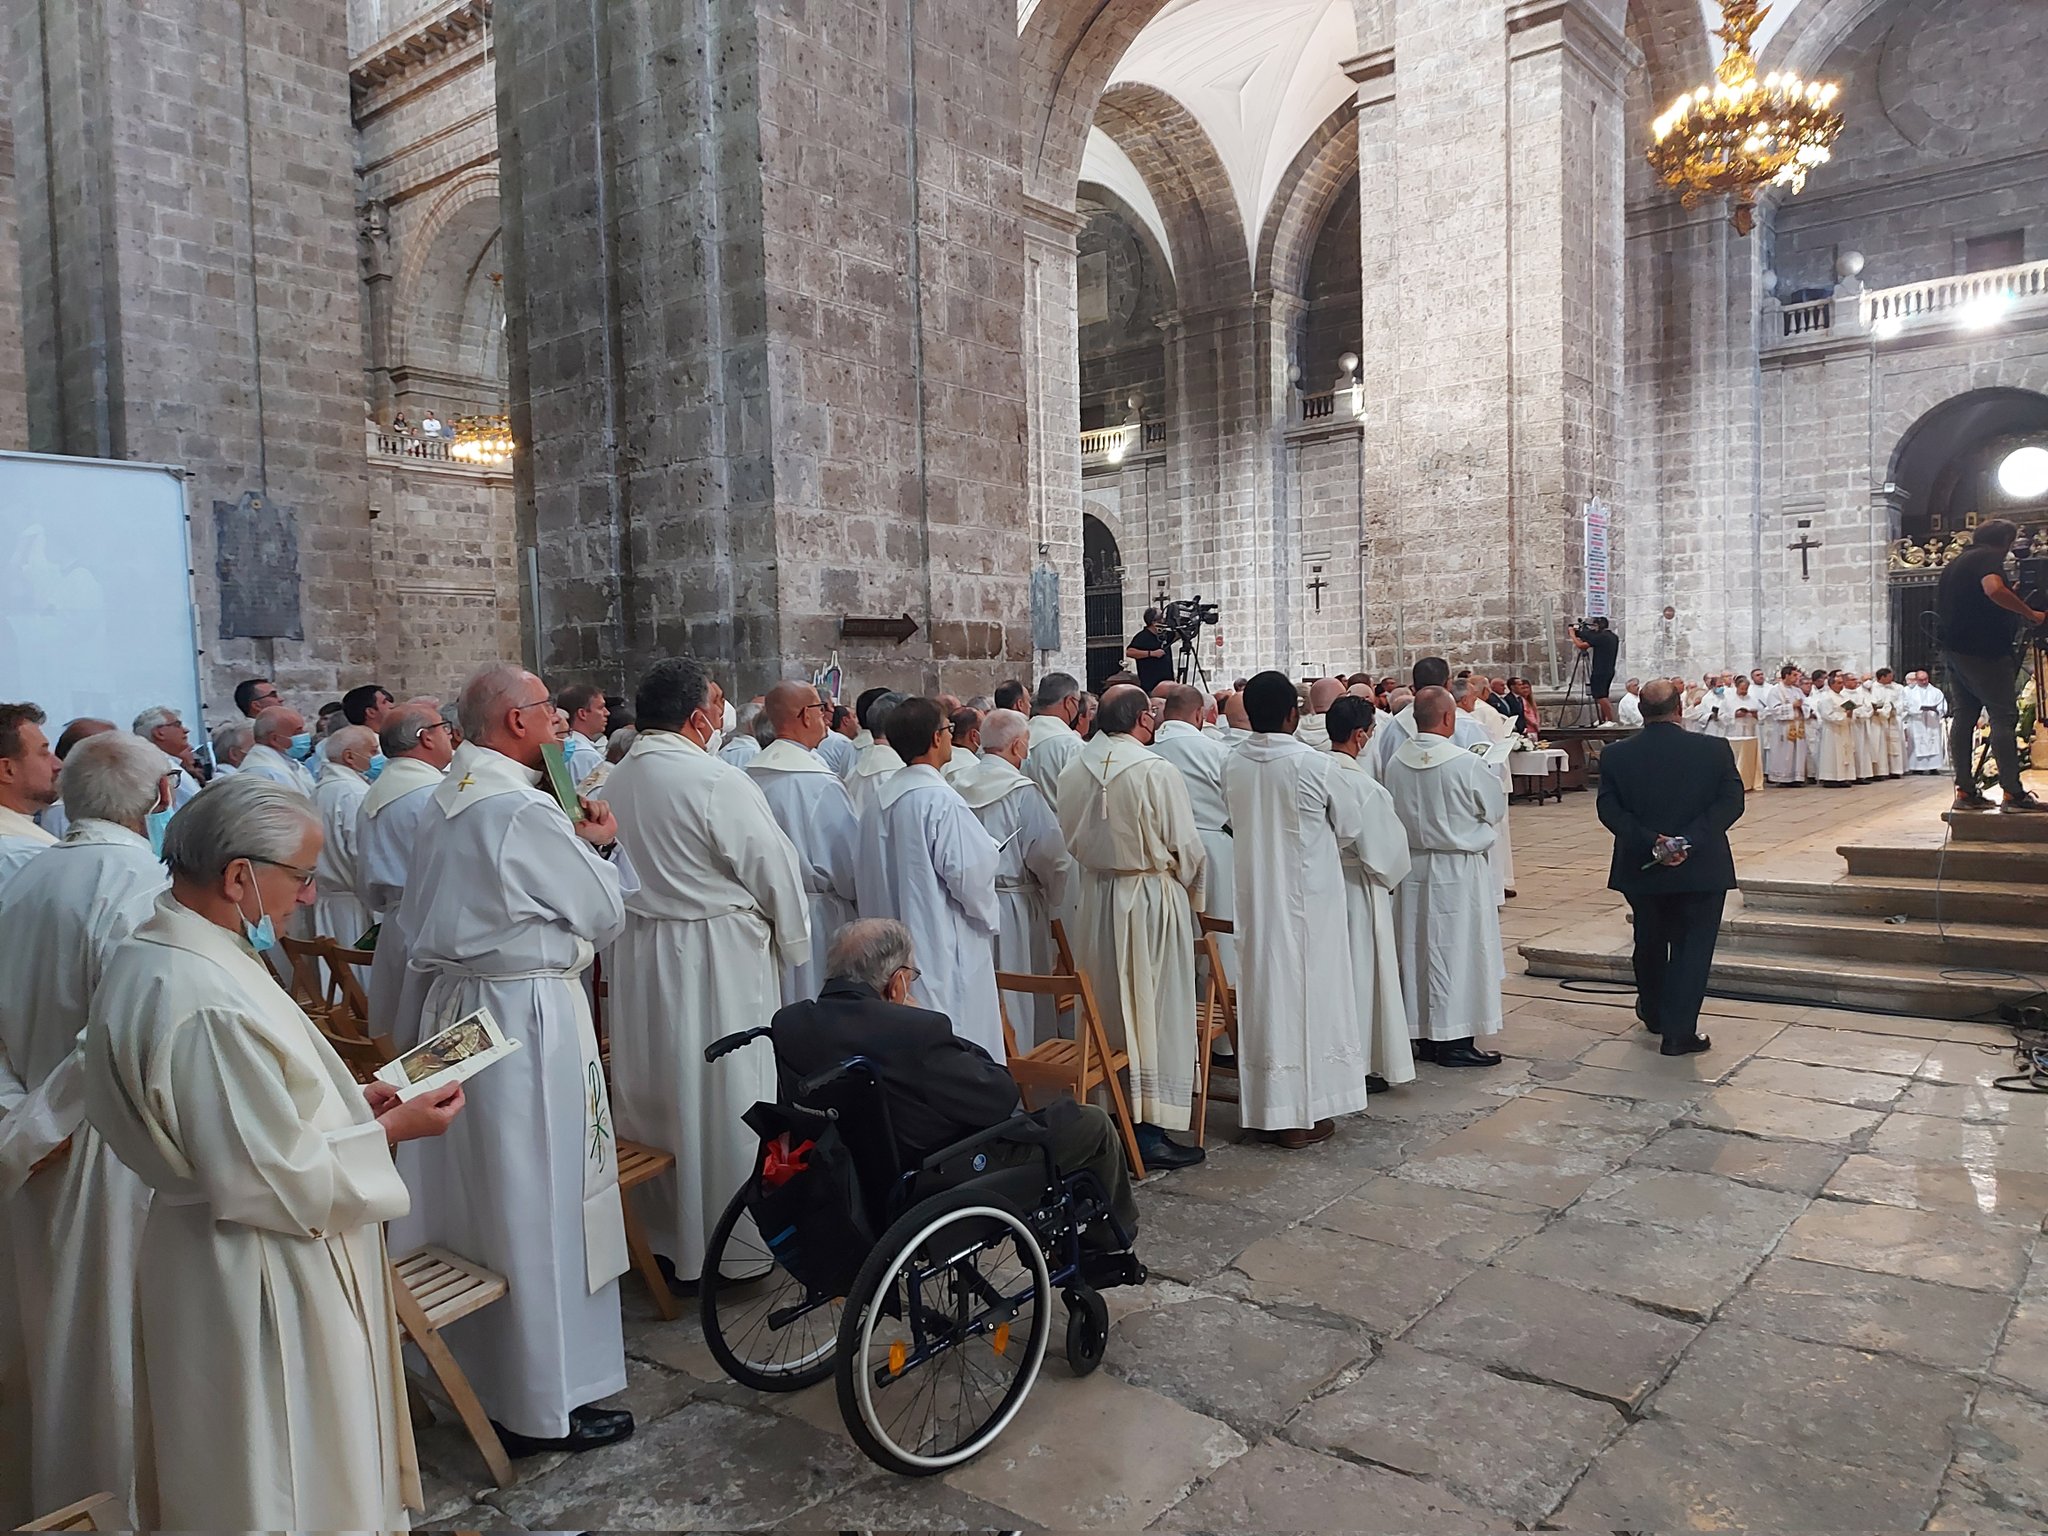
x: 944, y: 1333
x: 1087, y: 1328
x: 768, y: 1332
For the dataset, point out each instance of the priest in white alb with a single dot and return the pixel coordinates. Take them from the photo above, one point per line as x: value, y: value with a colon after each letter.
x: 810, y: 804
x: 338, y: 911
x: 925, y: 861
x: 1033, y: 869
x: 1200, y: 758
x: 280, y: 736
x: 417, y: 744
x: 1470, y: 692
x: 69, y: 1305
x: 1375, y: 864
x: 1445, y: 919
x: 1891, y: 714
x: 876, y: 762
x: 507, y: 901
x: 268, y: 1394
x: 1301, y: 1056
x: 1925, y: 711
x: 1429, y: 672
x: 1055, y: 706
x: 28, y: 784
x: 719, y: 915
x: 1140, y: 871
x: 1835, y: 708
x: 1868, y: 736
x: 1784, y: 727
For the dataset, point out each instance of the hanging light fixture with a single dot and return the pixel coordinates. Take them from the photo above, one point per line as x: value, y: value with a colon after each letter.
x: 485, y: 440
x: 1743, y: 133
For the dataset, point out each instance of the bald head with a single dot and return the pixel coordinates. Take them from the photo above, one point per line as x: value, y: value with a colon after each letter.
x: 1324, y: 692
x: 352, y: 746
x: 1181, y: 702
x: 275, y: 728
x: 1123, y: 707
x: 1006, y: 734
x: 1435, y: 711
x: 794, y: 712
x: 1662, y: 699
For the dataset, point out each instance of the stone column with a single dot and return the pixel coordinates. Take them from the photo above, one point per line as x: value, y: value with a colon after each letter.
x: 184, y: 179
x: 769, y: 284
x: 13, y: 381
x: 1276, y: 560
x: 1381, y: 556
x: 1052, y: 383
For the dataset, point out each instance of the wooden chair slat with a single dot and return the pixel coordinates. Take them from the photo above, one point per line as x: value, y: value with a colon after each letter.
x: 1077, y: 1066
x: 422, y: 1325
x: 638, y: 1163
x: 100, y: 1512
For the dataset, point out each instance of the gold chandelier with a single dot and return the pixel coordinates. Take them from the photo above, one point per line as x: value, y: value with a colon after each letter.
x: 1742, y: 133
x: 482, y: 440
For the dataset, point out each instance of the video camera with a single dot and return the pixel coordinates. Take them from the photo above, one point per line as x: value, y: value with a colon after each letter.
x: 1185, y: 617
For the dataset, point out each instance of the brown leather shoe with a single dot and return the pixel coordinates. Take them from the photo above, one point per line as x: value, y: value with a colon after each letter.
x: 1295, y: 1140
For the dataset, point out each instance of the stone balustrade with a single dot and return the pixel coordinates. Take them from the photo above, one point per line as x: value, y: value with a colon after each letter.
x: 1968, y: 299
x: 384, y: 446
x: 1112, y: 445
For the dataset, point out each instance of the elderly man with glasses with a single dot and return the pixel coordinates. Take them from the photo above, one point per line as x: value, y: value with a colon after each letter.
x: 417, y: 745
x: 164, y: 729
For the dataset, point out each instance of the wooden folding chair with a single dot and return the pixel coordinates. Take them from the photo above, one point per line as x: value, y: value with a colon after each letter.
x: 1215, y: 1014
x: 344, y: 983
x: 1063, y: 964
x: 1077, y: 1066
x: 308, y: 985
x: 638, y: 1164
x: 431, y: 1289
x: 101, y: 1512
x: 360, y: 1051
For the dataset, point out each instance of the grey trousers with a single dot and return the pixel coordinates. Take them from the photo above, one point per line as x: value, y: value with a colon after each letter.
x: 1984, y: 685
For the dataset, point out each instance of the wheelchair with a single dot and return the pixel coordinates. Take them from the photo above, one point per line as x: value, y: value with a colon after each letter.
x: 923, y: 1283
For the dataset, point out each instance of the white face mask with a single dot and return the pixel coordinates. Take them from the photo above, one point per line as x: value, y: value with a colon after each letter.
x: 713, y: 742
x: 731, y: 719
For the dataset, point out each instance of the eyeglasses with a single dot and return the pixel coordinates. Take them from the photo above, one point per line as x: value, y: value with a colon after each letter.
x: 911, y: 971
x: 271, y: 697
x: 303, y: 876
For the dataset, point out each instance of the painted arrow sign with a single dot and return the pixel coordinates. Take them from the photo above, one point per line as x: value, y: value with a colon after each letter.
x: 899, y: 630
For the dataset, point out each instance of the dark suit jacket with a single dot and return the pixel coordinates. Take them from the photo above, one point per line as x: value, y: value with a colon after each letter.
x: 1665, y: 780
x: 940, y: 1088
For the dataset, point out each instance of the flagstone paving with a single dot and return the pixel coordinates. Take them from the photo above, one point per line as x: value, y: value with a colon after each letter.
x: 1794, y: 1284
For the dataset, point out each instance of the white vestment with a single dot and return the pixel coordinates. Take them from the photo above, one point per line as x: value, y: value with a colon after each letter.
x: 1052, y: 746
x: 1033, y: 872
x: 20, y: 840
x: 503, y: 910
x: 1890, y: 699
x: 1832, y: 710
x: 1628, y: 711
x: 1125, y: 814
x: 718, y: 917
x: 1375, y: 864
x: 925, y: 861
x: 1744, y: 710
x: 269, y: 763
x: 838, y: 753
x: 1312, y: 731
x: 388, y: 824
x: 1924, y: 709
x: 961, y: 765
x: 1869, y: 733
x: 584, y: 757
x: 1448, y: 929
x: 737, y: 751
x: 815, y: 813
x: 1200, y: 760
x: 73, y: 1300
x: 267, y: 1386
x: 872, y: 768
x: 1786, y: 727
x: 1392, y: 734
x: 1497, y: 731
x: 337, y: 910
x: 1301, y: 1055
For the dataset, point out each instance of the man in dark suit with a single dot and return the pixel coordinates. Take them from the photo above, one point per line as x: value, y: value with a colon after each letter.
x: 940, y: 1088
x: 1656, y: 789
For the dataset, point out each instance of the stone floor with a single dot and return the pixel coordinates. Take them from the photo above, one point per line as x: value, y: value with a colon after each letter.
x: 1791, y: 1284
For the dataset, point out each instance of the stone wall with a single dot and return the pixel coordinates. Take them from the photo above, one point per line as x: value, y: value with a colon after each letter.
x: 446, y: 573
x: 13, y: 373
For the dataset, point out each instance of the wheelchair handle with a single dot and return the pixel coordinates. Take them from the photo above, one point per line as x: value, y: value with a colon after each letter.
x: 831, y: 1075
x: 731, y: 1043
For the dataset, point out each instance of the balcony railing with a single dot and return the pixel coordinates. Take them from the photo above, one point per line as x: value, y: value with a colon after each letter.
x: 382, y: 444
x: 1112, y: 445
x: 1971, y: 299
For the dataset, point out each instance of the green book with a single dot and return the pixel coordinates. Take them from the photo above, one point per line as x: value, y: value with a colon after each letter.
x: 560, y: 785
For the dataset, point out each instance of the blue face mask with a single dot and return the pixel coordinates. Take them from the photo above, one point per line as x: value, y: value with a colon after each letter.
x: 302, y: 745
x: 156, y: 823
x: 262, y: 935
x: 376, y: 767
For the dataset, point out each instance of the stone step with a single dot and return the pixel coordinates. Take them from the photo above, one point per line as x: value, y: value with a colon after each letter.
x: 1829, y: 937
x: 1955, y: 901
x: 1866, y: 985
x: 2010, y: 863
x: 1991, y: 827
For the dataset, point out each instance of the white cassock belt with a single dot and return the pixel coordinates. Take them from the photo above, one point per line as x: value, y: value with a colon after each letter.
x: 604, y: 1213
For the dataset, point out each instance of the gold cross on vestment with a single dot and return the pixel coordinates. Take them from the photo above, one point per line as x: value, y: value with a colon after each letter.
x: 465, y: 781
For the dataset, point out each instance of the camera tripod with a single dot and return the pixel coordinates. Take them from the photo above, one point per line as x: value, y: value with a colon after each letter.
x: 1191, y: 661
x: 2033, y: 669
x: 1584, y: 711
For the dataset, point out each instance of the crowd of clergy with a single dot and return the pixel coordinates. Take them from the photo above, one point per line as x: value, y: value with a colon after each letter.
x: 1826, y: 727
x: 195, y: 1307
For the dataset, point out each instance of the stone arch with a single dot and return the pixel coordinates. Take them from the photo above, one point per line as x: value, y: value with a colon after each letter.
x: 1921, y: 463
x: 1814, y: 30
x: 1678, y: 51
x: 1314, y: 183
x: 1067, y: 50
x: 450, y: 308
x: 1191, y: 187
x: 1087, y: 192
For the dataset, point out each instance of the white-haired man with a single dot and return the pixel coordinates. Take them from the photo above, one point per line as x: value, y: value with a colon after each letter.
x: 718, y: 916
x: 1055, y: 709
x: 69, y: 1304
x: 1034, y: 867
x: 810, y: 803
x: 506, y: 904
x: 164, y: 729
x: 1201, y: 759
x: 1924, y: 709
x: 281, y: 741
x: 338, y: 911
x: 418, y: 745
x: 232, y: 740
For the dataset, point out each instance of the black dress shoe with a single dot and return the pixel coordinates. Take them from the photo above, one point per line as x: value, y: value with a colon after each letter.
x: 589, y: 1428
x: 1463, y: 1053
x: 1690, y: 1047
x: 1424, y: 1050
x: 1374, y: 1083
x: 1647, y: 1023
x: 1160, y: 1151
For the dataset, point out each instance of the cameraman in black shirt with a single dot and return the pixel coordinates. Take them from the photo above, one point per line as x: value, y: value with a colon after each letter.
x: 1148, y: 649
x: 1595, y: 636
x: 1974, y: 609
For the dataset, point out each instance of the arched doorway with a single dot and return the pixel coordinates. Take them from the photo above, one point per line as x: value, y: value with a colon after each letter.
x: 1102, y: 582
x: 1945, y: 479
